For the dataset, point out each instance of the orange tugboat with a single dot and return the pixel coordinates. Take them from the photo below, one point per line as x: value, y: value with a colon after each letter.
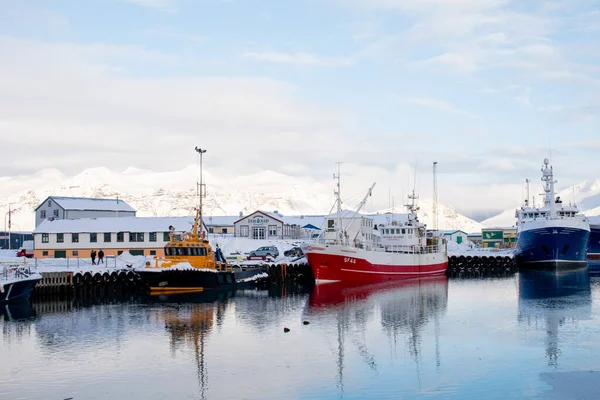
x: 190, y: 264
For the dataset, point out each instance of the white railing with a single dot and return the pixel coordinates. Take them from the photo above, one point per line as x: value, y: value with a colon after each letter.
x: 411, y: 249
x: 406, y: 249
x: 11, y: 271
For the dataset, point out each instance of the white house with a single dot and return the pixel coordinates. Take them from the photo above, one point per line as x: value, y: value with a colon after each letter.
x: 263, y: 225
x: 78, y: 237
x: 57, y: 207
x: 456, y: 236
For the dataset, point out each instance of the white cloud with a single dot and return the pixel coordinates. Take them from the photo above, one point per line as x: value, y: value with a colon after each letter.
x: 439, y: 105
x: 475, y: 36
x: 67, y: 106
x: 452, y: 61
x: 298, y: 59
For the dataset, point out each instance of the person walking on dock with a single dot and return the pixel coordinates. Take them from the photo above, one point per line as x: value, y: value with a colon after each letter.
x: 100, y: 257
x: 93, y: 255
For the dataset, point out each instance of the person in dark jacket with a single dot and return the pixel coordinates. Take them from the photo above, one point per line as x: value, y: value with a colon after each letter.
x: 93, y: 255
x: 100, y: 257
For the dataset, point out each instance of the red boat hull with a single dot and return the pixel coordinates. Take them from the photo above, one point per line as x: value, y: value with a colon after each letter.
x: 334, y: 267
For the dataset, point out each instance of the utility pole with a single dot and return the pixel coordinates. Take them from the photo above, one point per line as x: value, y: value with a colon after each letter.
x: 435, y: 199
x: 200, y: 188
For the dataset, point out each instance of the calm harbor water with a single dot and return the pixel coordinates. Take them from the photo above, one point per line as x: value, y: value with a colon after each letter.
x: 530, y: 335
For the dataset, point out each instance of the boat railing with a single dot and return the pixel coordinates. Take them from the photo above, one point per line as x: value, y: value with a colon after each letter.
x: 158, y: 263
x: 9, y: 271
x: 411, y: 249
x: 406, y: 249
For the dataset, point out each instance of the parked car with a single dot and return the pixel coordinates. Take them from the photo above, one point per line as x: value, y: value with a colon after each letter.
x: 265, y: 251
x: 293, y: 252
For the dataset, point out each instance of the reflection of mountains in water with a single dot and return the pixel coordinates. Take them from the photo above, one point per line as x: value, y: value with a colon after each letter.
x: 553, y: 299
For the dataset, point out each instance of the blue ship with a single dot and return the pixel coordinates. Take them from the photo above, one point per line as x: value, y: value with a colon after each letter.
x: 554, y: 235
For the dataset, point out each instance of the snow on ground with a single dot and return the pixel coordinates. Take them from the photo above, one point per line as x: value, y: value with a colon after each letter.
x: 467, y: 249
x: 231, y: 245
x: 234, y: 249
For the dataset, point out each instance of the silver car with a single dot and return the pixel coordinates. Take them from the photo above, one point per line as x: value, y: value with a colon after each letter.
x: 265, y: 251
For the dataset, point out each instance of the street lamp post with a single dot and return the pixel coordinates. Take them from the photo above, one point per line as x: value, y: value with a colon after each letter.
x: 9, y: 212
x: 200, y: 188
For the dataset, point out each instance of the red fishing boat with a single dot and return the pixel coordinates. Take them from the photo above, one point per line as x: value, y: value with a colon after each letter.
x: 351, y: 248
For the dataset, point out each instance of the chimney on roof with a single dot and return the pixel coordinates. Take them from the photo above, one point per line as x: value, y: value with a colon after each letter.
x: 241, y: 214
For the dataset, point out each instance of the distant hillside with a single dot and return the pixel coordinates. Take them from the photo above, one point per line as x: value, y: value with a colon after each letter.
x: 174, y: 194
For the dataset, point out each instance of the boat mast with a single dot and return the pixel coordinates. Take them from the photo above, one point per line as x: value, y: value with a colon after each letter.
x: 339, y: 200
x: 435, y: 200
x: 201, y: 193
x: 548, y: 179
x: 527, y: 192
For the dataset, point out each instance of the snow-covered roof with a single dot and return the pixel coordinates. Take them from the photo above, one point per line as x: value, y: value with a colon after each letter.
x: 89, y: 204
x: 220, y: 220
x: 122, y: 224
x: 453, y: 232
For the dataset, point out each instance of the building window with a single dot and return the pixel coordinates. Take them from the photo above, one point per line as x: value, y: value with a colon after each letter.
x: 119, y: 252
x: 166, y: 236
x: 223, y: 230
x: 272, y: 230
x: 43, y: 214
x: 107, y: 237
x: 151, y: 236
x: 211, y: 230
x: 60, y: 238
x: 56, y: 213
x: 75, y: 253
x: 120, y: 237
x: 49, y: 203
x: 44, y: 253
x: 93, y: 237
x: 75, y: 237
x: 45, y: 238
x: 136, y: 237
x: 244, y: 231
x: 152, y: 252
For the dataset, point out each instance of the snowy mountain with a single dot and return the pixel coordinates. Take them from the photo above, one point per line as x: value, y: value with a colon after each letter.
x: 586, y: 195
x: 174, y: 194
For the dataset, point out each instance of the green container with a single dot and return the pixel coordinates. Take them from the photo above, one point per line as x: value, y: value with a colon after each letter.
x: 492, y: 235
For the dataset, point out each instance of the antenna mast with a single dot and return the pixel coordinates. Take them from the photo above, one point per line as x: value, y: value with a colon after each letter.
x: 200, y: 188
x: 527, y: 192
x: 338, y: 197
x: 435, y: 199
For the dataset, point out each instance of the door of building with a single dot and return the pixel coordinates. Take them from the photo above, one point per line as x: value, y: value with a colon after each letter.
x: 258, y: 233
x: 60, y: 254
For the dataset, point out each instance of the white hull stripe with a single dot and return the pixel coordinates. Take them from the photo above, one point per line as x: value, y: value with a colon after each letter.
x: 325, y: 281
x: 393, y: 273
x: 556, y: 261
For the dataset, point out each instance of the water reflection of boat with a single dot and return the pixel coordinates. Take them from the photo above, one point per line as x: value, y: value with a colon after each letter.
x: 331, y: 294
x: 189, y: 324
x: 16, y: 311
x: 404, y: 307
x: 554, y: 299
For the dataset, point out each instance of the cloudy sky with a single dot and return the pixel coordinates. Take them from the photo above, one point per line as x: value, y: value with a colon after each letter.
x: 484, y: 87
